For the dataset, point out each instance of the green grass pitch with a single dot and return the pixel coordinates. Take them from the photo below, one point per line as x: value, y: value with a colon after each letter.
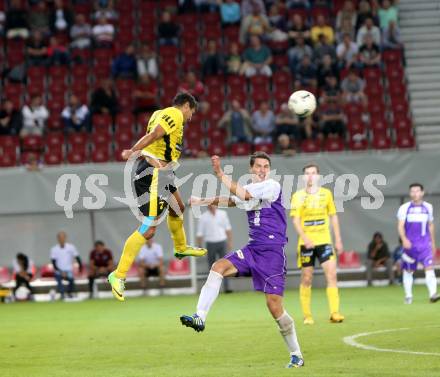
x: 143, y: 337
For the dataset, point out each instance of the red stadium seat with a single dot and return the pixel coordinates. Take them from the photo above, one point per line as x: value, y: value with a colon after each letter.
x: 240, y: 149
x: 358, y: 142
x: 381, y: 141
x: 282, y: 79
x: 402, y: 122
x: 102, y: 121
x: 47, y: 271
x: 178, y: 267
x: 310, y: 146
x: 124, y: 121
x: 392, y: 56
x: 101, y: 139
x: 5, y: 275
x: 378, y: 122
x: 217, y: 148
x: 77, y: 156
x: 53, y: 156
x: 78, y: 139
x: 100, y: 154
x: 267, y: 147
x: 32, y: 143
x: 405, y: 139
x: 54, y: 123
x: 349, y: 259
x: 334, y: 144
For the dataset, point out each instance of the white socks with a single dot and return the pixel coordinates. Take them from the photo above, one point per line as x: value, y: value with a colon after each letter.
x: 209, y: 294
x: 407, y: 283
x: 431, y: 282
x: 288, y: 332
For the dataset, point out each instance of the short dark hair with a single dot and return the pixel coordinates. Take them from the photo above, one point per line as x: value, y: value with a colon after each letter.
x: 181, y: 98
x: 416, y: 184
x: 99, y: 243
x: 311, y: 165
x: 256, y: 155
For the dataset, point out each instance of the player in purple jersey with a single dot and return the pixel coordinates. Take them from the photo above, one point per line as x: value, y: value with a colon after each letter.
x: 416, y: 229
x: 262, y: 258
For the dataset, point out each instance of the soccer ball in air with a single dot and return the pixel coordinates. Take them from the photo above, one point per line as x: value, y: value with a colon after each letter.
x: 302, y: 103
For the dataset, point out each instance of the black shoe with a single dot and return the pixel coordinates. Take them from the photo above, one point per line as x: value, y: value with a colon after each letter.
x: 229, y: 291
x: 434, y: 298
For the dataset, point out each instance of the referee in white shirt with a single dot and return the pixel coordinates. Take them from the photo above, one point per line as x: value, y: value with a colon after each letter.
x: 63, y: 256
x: 214, y: 229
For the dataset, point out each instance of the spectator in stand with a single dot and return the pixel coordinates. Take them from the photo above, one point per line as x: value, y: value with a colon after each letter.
x: 147, y: 62
x: 387, y: 13
x: 23, y: 269
x: 248, y: 6
x: 168, y: 30
x: 63, y: 255
x: 214, y: 231
x: 331, y: 92
x: 233, y: 59
x: 263, y: 124
x: 206, y: 6
x: 39, y: 18
x: 370, y: 53
x: 397, y: 261
x: 104, y: 99
x: 16, y: 25
x: 368, y: 29
x: 105, y: 9
x: 237, y: 122
x: 287, y: 123
x: 325, y: 69
x: 297, y: 53
x: 125, y: 65
x: 11, y: 119
x: 346, y: 18
x: 255, y: 24
x: 332, y: 120
x: 347, y: 52
x: 103, y: 33
x: 278, y: 24
x: 192, y: 85
x: 321, y: 27
x: 36, y: 49
x: 61, y: 18
x: 298, y: 4
x: 145, y: 95
x: 285, y: 146
x: 257, y: 59
x: 80, y: 33
x: 76, y: 116
x: 101, y: 264
x: 346, y: 28
x: 35, y: 116
x: 2, y: 23
x: 353, y: 88
x: 213, y: 62
x: 297, y: 28
x: 391, y: 37
x: 323, y: 48
x: 305, y: 73
x: 230, y: 12
x: 57, y: 53
x: 364, y: 12
x: 150, y: 263
x: 379, y: 256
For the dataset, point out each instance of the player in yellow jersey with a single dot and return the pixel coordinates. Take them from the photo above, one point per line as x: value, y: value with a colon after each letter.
x: 159, y: 148
x: 312, y: 210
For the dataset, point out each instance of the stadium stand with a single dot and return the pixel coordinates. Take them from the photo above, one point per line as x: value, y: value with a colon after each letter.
x: 385, y: 122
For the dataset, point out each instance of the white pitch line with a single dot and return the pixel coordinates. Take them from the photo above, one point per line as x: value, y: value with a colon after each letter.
x: 351, y: 341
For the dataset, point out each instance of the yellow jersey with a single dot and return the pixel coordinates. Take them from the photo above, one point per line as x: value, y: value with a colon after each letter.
x: 314, y: 211
x: 170, y: 146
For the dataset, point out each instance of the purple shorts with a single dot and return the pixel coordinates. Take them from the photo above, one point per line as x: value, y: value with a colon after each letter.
x: 412, y: 257
x: 266, y: 264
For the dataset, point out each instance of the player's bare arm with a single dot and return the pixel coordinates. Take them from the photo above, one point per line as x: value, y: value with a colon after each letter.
x: 308, y: 243
x: 337, y: 233
x: 149, y: 138
x: 231, y: 185
x: 219, y: 201
x: 406, y: 243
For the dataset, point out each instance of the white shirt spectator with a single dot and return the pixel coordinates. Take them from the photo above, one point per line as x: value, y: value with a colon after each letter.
x: 374, y: 32
x: 80, y: 112
x: 147, y: 66
x: 64, y: 256
x: 347, y: 53
x: 80, y: 35
x: 150, y: 255
x: 103, y: 33
x: 213, y: 227
x: 35, y: 117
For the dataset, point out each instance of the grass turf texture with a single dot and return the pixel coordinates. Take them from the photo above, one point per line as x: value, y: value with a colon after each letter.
x: 143, y: 337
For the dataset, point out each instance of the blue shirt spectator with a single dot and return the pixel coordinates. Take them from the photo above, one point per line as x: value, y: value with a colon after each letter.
x: 230, y: 12
x: 125, y: 64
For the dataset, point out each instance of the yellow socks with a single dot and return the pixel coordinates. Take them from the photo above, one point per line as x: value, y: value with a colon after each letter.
x: 131, y: 250
x: 333, y: 299
x: 305, y: 297
x: 177, y: 231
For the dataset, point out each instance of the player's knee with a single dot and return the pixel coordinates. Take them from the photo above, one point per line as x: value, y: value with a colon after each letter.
x: 220, y: 267
x: 306, y: 279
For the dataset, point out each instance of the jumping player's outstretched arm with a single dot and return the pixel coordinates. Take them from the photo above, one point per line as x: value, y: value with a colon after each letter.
x: 231, y: 185
x: 219, y: 201
x: 157, y: 133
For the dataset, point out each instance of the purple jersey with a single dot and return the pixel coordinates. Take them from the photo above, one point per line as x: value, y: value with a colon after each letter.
x: 417, y: 218
x: 266, y: 214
